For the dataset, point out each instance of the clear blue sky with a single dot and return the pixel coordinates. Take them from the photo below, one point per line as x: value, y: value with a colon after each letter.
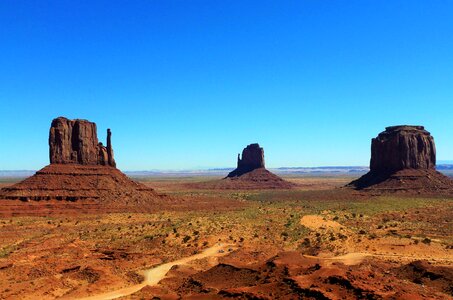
x: 188, y: 84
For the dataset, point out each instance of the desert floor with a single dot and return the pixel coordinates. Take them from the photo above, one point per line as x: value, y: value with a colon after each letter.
x: 316, y: 241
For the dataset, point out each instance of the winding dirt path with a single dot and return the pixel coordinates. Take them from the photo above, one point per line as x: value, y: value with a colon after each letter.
x: 156, y: 274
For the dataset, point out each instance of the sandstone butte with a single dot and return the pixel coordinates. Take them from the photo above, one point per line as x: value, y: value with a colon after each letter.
x: 82, y: 170
x: 251, y: 172
x: 403, y: 159
x: 76, y: 142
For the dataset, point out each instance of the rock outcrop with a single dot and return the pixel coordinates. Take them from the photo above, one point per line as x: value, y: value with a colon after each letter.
x: 76, y: 142
x: 252, y: 159
x: 249, y: 174
x: 403, y: 158
x: 402, y: 147
x: 82, y: 170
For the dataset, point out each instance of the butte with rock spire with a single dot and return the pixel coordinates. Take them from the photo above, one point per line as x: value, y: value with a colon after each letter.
x: 82, y: 173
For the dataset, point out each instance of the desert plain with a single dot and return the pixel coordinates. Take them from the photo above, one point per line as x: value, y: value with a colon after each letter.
x: 317, y: 240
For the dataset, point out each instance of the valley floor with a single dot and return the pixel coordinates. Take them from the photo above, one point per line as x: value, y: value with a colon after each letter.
x: 316, y: 241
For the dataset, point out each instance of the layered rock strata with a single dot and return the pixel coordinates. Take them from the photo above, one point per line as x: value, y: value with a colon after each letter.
x: 82, y: 169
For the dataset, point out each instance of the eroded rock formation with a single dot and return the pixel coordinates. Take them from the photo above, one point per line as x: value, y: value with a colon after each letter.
x: 252, y: 159
x: 76, y: 142
x: 403, y: 158
x: 402, y: 147
x: 82, y: 170
x: 250, y: 173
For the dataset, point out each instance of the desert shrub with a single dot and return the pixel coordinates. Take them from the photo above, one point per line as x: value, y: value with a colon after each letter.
x: 6, y: 251
x: 134, y: 277
x: 342, y: 236
x: 372, y: 236
x: 185, y: 239
x: 426, y: 241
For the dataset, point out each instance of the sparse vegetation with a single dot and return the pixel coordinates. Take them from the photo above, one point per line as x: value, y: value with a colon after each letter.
x: 269, y: 220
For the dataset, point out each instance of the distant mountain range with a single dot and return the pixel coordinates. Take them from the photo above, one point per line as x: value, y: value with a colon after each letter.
x: 326, y: 170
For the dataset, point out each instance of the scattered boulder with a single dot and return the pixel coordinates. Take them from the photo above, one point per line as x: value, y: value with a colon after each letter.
x: 403, y: 158
x: 76, y: 142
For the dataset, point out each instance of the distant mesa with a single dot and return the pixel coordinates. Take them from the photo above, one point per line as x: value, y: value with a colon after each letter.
x: 82, y: 170
x: 252, y: 159
x: 403, y: 158
x: 249, y: 174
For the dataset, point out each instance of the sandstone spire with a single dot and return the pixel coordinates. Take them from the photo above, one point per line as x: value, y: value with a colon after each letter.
x: 111, y: 160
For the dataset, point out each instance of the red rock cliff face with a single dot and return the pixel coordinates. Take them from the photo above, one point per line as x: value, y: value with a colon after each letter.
x: 76, y: 142
x: 403, y: 160
x: 252, y: 159
x: 402, y: 147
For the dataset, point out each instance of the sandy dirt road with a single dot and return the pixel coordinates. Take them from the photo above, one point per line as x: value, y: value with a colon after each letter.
x: 156, y: 274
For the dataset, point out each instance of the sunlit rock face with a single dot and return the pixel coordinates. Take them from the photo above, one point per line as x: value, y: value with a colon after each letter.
x: 76, y: 142
x: 403, y: 159
x: 402, y: 147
